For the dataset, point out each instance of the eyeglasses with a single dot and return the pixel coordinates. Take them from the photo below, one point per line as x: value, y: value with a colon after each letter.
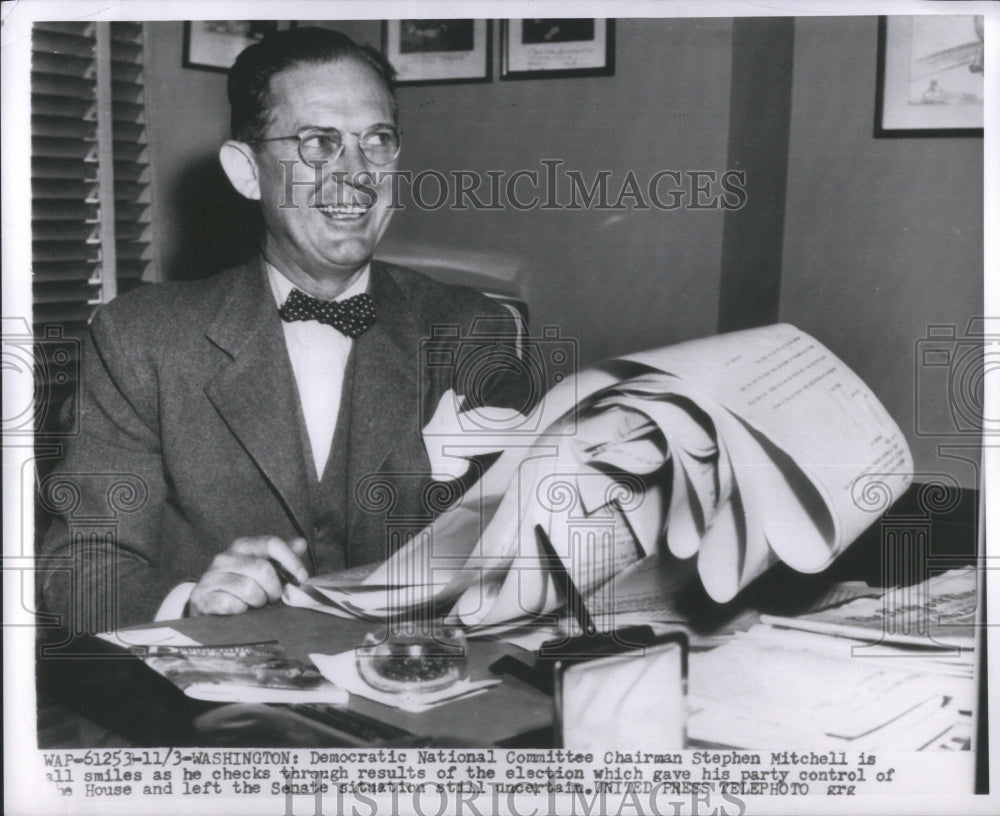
x: 379, y: 144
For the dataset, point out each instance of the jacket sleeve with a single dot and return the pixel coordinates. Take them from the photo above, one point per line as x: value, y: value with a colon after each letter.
x: 98, y: 562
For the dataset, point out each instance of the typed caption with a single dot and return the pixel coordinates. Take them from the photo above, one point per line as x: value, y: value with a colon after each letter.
x: 309, y: 782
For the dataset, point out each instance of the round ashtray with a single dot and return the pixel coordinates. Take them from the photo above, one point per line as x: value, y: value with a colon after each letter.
x: 413, y: 663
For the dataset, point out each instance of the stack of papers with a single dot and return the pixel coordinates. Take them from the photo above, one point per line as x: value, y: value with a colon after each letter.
x: 939, y: 613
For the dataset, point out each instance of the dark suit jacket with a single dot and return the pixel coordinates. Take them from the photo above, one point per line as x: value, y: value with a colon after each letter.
x: 191, y: 436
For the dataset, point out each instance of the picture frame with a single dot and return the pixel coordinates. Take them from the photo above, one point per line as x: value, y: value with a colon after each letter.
x: 557, y: 47
x: 439, y: 52
x: 930, y: 76
x: 213, y: 45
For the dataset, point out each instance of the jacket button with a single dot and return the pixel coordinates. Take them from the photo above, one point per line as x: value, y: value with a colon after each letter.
x: 317, y: 530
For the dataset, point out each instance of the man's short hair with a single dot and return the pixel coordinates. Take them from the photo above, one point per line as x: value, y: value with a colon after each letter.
x: 249, y: 84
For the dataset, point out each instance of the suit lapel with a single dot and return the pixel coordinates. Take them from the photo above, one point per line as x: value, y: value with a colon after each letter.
x: 384, y: 389
x: 256, y: 393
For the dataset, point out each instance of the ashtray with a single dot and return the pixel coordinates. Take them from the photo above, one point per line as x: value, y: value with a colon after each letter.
x: 411, y: 662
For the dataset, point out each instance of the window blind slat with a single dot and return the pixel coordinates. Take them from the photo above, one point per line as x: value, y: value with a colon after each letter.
x: 70, y: 225
x: 54, y: 42
x: 131, y: 250
x: 62, y: 65
x: 71, y: 231
x: 127, y: 92
x: 52, y: 271
x: 56, y: 188
x: 62, y: 127
x: 127, y: 111
x: 62, y: 86
x: 129, y: 133
x: 132, y: 152
x: 65, y: 27
x: 128, y: 190
x: 74, y: 209
x: 63, y: 313
x: 130, y: 230
x: 63, y: 292
x: 71, y: 169
x: 126, y: 32
x: 126, y: 73
x: 60, y: 148
x: 129, y: 170
x: 75, y: 29
x: 132, y: 211
x: 122, y: 49
x: 69, y: 108
x: 64, y: 251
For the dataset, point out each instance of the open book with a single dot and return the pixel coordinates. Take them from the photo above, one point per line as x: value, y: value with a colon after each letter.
x: 738, y: 450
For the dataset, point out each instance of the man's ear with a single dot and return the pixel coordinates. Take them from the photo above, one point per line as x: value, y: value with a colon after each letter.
x: 240, y: 165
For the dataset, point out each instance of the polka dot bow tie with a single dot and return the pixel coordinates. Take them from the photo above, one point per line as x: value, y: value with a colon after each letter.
x: 351, y: 317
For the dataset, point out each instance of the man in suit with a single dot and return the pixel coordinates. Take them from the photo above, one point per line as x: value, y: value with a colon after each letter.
x: 265, y: 422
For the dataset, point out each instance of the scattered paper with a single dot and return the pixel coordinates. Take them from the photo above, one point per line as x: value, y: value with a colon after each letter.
x: 938, y: 613
x: 782, y: 688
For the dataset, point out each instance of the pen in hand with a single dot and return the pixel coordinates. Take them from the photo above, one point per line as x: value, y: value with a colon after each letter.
x: 283, y: 573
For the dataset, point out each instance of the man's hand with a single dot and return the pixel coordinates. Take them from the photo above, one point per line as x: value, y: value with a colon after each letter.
x: 243, y: 575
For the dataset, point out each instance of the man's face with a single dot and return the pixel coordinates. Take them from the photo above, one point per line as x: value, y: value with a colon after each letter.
x: 326, y: 230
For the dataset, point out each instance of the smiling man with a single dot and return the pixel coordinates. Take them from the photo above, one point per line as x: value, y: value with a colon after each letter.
x: 264, y: 425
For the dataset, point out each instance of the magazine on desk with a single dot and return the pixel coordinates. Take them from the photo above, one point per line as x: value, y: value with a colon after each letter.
x: 739, y: 450
x: 242, y: 672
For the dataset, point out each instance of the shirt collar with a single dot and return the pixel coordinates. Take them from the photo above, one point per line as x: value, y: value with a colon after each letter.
x: 281, y: 287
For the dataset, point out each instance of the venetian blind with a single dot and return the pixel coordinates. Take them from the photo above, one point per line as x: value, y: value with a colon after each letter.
x: 90, y: 187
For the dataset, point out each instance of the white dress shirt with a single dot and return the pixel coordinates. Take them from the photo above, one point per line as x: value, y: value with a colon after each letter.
x: 318, y: 354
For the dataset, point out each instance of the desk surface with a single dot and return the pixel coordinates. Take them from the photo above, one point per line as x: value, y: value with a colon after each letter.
x: 499, y: 713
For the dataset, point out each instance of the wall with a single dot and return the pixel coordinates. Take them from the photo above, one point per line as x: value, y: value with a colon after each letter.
x: 188, y: 120
x: 615, y: 281
x: 882, y: 236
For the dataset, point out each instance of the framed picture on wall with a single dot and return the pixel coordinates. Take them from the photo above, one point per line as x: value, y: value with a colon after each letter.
x: 930, y: 76
x: 557, y: 47
x: 213, y: 45
x: 425, y: 52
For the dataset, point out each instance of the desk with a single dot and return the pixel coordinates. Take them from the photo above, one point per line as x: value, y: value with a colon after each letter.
x: 501, y: 713
x: 497, y: 715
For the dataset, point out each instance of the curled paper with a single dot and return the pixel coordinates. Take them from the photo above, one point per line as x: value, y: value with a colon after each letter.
x: 739, y: 450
